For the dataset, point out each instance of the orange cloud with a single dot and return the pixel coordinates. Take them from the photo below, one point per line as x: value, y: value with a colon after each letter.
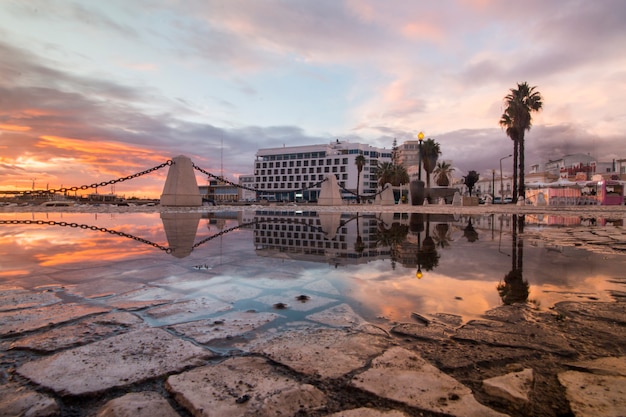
x: 15, y: 128
x: 87, y: 149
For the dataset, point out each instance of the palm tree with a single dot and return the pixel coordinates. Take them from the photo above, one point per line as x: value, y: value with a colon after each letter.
x: 470, y: 180
x: 360, y: 163
x: 442, y: 172
x: 520, y: 103
x: 395, y: 175
x: 507, y: 122
x: 430, y: 153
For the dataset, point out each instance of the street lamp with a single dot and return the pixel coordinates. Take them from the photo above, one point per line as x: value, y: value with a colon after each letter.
x: 501, y: 183
x: 420, y: 137
x: 493, y: 185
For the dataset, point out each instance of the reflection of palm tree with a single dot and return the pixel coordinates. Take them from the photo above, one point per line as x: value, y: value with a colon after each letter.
x: 442, y: 235
x: 515, y: 289
x: 427, y: 256
x: 391, y: 238
x: 359, y: 246
x: 469, y: 232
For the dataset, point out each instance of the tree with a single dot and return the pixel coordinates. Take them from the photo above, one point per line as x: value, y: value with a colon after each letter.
x: 430, y: 151
x: 442, y: 172
x: 520, y: 103
x: 395, y: 175
x: 360, y: 163
x: 507, y: 122
x: 470, y: 180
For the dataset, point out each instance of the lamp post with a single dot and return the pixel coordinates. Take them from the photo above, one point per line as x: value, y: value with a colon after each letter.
x: 493, y: 185
x: 420, y: 137
x: 501, y: 183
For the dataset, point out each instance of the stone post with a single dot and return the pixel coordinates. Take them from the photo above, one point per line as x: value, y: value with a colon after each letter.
x: 329, y: 193
x: 181, y: 188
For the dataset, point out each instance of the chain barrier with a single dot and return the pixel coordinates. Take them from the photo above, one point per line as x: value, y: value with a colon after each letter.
x: 364, y: 196
x: 222, y: 179
x: 85, y: 227
x: 100, y: 184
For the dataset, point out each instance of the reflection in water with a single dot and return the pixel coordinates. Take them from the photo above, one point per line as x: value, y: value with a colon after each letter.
x: 373, y: 258
x: 515, y: 289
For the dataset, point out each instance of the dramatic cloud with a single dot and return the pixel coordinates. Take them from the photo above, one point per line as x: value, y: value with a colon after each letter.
x: 92, y: 91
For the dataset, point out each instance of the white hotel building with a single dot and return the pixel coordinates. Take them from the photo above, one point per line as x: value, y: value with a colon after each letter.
x: 294, y: 173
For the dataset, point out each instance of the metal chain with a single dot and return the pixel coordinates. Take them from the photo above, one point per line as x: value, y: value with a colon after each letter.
x: 363, y: 195
x: 86, y: 226
x: 220, y: 178
x: 101, y: 184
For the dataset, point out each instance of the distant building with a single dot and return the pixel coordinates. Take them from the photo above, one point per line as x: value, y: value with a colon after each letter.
x: 295, y: 172
x: 219, y: 192
x: 246, y: 193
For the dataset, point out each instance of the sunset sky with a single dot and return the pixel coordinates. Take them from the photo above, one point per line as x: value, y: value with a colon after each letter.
x: 93, y: 91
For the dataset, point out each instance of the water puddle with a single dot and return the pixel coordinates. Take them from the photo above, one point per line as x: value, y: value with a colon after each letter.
x: 304, y: 266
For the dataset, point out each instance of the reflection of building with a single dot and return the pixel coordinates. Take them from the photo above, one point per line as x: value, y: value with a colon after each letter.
x: 305, y: 235
x: 282, y: 172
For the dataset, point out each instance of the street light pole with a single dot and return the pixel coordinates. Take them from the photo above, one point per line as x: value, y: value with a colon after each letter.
x: 493, y: 185
x: 420, y: 137
x: 501, y: 183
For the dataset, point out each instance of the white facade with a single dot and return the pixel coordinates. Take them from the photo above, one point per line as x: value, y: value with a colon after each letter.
x: 245, y: 194
x: 295, y: 172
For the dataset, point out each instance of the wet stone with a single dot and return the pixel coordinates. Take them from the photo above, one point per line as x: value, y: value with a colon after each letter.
x: 225, y: 326
x: 187, y: 310
x: 138, y: 404
x: 243, y: 386
x: 38, y: 318
x: 594, y: 395
x: 117, y: 361
x: 141, y: 298
x: 329, y: 353
x: 526, y: 335
x: 16, y: 400
x: 338, y: 316
x: 401, y: 375
x: 83, y: 332
x: 19, y: 299
x: 514, y: 387
x: 368, y: 412
x: 433, y: 331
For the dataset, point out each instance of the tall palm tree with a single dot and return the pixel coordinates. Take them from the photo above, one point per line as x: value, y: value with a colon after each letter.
x: 360, y: 163
x: 507, y: 122
x: 520, y: 103
x: 430, y: 153
x: 442, y: 172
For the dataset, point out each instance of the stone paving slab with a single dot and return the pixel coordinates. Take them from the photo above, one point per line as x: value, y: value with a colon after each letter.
x: 138, y: 404
x: 338, y: 316
x: 12, y: 323
x: 83, y: 332
x: 329, y: 353
x: 368, y: 412
x: 187, y: 310
x: 403, y: 376
x: 243, y: 387
x: 142, y: 297
x: 233, y: 324
x: 19, y: 299
x: 592, y: 395
x: 117, y: 361
x: 514, y: 387
x: 16, y: 400
x: 516, y: 335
